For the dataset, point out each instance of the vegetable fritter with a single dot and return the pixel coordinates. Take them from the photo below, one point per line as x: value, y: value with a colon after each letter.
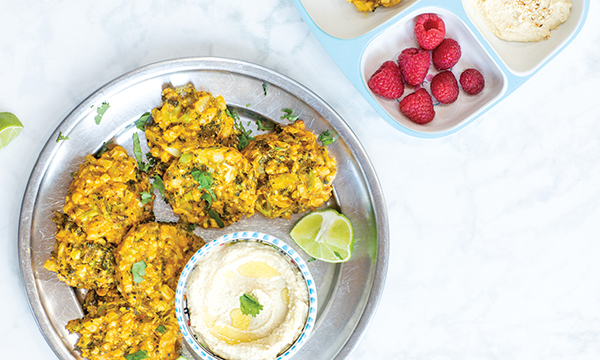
x: 79, y: 262
x: 104, y: 196
x: 149, y: 261
x: 189, y: 119
x: 371, y: 5
x: 115, y: 329
x: 294, y: 171
x: 211, y: 187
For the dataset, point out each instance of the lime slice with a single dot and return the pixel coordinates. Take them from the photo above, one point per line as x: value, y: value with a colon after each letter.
x: 10, y: 128
x: 325, y: 235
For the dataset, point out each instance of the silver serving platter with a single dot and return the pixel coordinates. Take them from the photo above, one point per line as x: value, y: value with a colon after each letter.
x: 348, y: 293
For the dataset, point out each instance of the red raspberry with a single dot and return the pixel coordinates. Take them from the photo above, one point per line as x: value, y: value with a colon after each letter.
x: 444, y: 87
x: 430, y: 31
x: 414, y: 65
x: 472, y: 81
x: 386, y: 81
x: 446, y: 55
x: 418, y: 106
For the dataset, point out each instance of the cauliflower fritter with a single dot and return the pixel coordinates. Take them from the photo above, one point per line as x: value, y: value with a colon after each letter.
x: 211, y: 187
x: 371, y: 5
x: 115, y: 329
x: 149, y: 261
x: 104, y: 196
x: 186, y: 120
x: 294, y: 172
x: 79, y: 262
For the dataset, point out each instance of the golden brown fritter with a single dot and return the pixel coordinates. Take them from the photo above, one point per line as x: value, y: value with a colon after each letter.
x: 104, y: 196
x: 115, y: 329
x: 186, y: 120
x: 371, y: 5
x: 79, y: 262
x: 149, y: 261
x: 210, y: 185
x: 294, y: 172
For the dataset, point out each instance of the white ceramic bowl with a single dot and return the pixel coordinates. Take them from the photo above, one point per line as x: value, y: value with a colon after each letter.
x: 285, y: 249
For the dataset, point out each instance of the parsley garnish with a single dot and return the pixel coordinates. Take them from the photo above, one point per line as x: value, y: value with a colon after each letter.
x: 213, y: 215
x: 289, y: 115
x: 265, y: 85
x: 61, y: 137
x: 100, y: 111
x: 161, y: 329
x: 139, y: 355
x: 103, y: 148
x: 146, y: 197
x: 264, y: 124
x: 249, y: 305
x: 138, y: 270
x: 159, y: 185
x: 137, y: 151
x: 141, y: 122
x: 326, y: 138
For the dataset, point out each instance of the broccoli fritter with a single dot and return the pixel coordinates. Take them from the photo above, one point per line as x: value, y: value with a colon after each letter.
x: 186, y: 120
x: 115, y: 329
x: 104, y: 196
x: 211, y: 187
x: 371, y: 5
x: 79, y: 262
x: 149, y: 261
x: 294, y: 172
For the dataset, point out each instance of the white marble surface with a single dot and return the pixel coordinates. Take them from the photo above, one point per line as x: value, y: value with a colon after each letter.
x: 495, y: 230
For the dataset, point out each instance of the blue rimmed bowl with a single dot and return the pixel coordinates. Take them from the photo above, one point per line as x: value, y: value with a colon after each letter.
x: 286, y: 250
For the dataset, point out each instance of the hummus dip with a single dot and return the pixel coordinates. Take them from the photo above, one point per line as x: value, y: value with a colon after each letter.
x: 522, y: 20
x: 262, y: 272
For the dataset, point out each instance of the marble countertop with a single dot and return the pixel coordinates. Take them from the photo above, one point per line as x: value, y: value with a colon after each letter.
x: 494, y: 231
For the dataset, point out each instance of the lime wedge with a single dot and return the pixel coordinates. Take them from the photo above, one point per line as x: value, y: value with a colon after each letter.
x: 10, y: 128
x: 325, y: 235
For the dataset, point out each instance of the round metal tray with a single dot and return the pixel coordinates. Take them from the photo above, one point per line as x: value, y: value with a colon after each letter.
x: 348, y: 293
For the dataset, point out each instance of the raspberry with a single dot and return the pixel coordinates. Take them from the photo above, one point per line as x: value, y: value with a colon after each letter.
x: 418, y: 107
x: 414, y: 65
x: 430, y: 31
x: 444, y: 87
x: 472, y: 81
x: 446, y: 55
x: 386, y: 81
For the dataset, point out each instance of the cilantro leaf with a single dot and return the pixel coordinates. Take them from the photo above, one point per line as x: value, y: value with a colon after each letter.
x: 289, y: 114
x: 265, y: 85
x: 146, y: 197
x: 326, y: 138
x: 61, y: 137
x: 161, y: 329
x: 249, y: 305
x: 208, y: 198
x: 138, y: 270
x: 103, y: 148
x: 139, y: 355
x: 213, y: 215
x: 141, y: 122
x: 100, y: 111
x: 205, y: 180
x: 311, y: 259
x: 137, y: 151
x: 338, y: 255
x: 191, y: 227
x: 232, y: 113
x: 159, y: 185
x: 264, y: 124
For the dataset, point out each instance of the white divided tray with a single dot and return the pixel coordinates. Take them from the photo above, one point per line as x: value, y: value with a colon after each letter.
x: 360, y: 42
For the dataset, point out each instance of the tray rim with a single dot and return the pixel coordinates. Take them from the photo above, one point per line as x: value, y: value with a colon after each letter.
x: 348, y: 53
x: 50, y: 148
